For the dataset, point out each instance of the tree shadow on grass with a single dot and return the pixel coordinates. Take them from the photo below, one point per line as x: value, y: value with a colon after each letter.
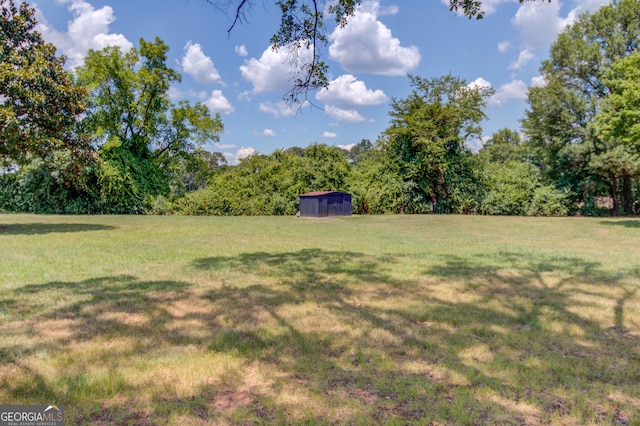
x: 625, y: 223
x: 514, y: 334
x: 49, y: 228
x: 331, y: 337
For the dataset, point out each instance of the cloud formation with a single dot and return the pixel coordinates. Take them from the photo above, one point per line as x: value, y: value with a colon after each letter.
x: 234, y: 157
x: 198, y: 65
x: 512, y: 91
x: 218, y: 103
x: 89, y: 29
x: 524, y: 58
x: 367, y: 45
x: 273, y: 71
x: 503, y: 46
x: 340, y: 114
x: 347, y: 91
x: 539, y: 23
x: 241, y: 50
x: 280, y: 109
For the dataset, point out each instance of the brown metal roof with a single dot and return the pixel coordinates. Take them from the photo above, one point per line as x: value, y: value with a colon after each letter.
x: 316, y: 193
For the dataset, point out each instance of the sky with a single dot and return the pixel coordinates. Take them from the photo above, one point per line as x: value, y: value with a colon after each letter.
x: 238, y: 75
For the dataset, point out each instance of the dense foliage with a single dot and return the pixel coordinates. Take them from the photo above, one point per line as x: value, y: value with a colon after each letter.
x: 585, y: 77
x: 39, y: 104
x: 109, y: 140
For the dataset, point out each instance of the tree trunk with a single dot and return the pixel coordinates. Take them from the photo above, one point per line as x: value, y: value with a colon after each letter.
x: 627, y: 195
x: 613, y: 191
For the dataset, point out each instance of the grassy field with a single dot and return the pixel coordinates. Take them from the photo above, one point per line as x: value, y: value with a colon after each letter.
x: 360, y: 320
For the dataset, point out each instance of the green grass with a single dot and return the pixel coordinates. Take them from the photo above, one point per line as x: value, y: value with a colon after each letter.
x: 360, y: 320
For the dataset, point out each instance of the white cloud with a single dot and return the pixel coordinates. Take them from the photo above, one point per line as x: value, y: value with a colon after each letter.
x: 367, y: 45
x: 524, y: 58
x: 347, y: 91
x: 514, y: 90
x: 198, y: 65
x: 347, y: 147
x: 89, y: 29
x: 218, y: 103
x: 175, y: 93
x: 245, y: 151
x: 479, y: 83
x: 540, y: 22
x: 281, y: 109
x: 329, y: 135
x: 503, y: 46
x: 584, y: 6
x: 242, y: 50
x: 475, y: 144
x: 273, y: 72
x: 234, y: 157
x: 268, y: 132
x: 538, y: 81
x: 350, y: 115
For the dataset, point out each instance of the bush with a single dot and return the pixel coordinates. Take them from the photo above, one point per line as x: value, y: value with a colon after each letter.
x: 511, y: 186
x: 515, y: 188
x: 54, y: 185
x: 158, y: 205
x: 548, y: 201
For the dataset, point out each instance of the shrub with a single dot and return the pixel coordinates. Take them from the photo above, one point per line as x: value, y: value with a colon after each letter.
x: 549, y: 201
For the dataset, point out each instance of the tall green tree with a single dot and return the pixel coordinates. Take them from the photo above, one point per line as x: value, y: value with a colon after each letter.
x: 39, y: 104
x: 617, y: 125
x: 359, y: 151
x: 143, y: 137
x: 560, y: 138
x: 303, y: 27
x: 428, y: 132
x: 504, y: 145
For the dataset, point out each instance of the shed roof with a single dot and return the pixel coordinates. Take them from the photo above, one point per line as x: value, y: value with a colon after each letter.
x: 317, y: 193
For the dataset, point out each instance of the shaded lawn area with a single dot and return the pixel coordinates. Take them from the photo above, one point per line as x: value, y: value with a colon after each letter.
x: 392, y: 320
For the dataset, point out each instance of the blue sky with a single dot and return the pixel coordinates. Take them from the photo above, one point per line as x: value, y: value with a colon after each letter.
x: 239, y: 76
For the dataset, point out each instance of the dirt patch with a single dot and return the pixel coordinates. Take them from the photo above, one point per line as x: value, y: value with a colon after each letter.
x: 231, y: 400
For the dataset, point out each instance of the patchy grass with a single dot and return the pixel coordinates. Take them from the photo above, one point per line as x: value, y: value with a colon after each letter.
x: 361, y: 320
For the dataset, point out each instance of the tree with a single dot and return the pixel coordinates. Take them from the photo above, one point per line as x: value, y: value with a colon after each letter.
x: 143, y: 137
x: 428, y: 133
x: 303, y: 28
x: 504, y: 145
x: 377, y: 186
x: 560, y: 139
x: 359, y: 151
x: 617, y: 125
x: 198, y: 168
x: 39, y: 104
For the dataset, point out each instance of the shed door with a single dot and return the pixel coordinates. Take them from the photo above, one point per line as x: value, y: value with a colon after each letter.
x: 334, y: 207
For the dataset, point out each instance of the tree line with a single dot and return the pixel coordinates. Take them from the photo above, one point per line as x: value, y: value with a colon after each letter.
x: 107, y: 138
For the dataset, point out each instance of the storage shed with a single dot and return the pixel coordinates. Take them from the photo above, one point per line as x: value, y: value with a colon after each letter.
x: 325, y: 203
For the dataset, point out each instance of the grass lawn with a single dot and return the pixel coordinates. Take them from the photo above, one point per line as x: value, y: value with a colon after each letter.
x: 360, y: 320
